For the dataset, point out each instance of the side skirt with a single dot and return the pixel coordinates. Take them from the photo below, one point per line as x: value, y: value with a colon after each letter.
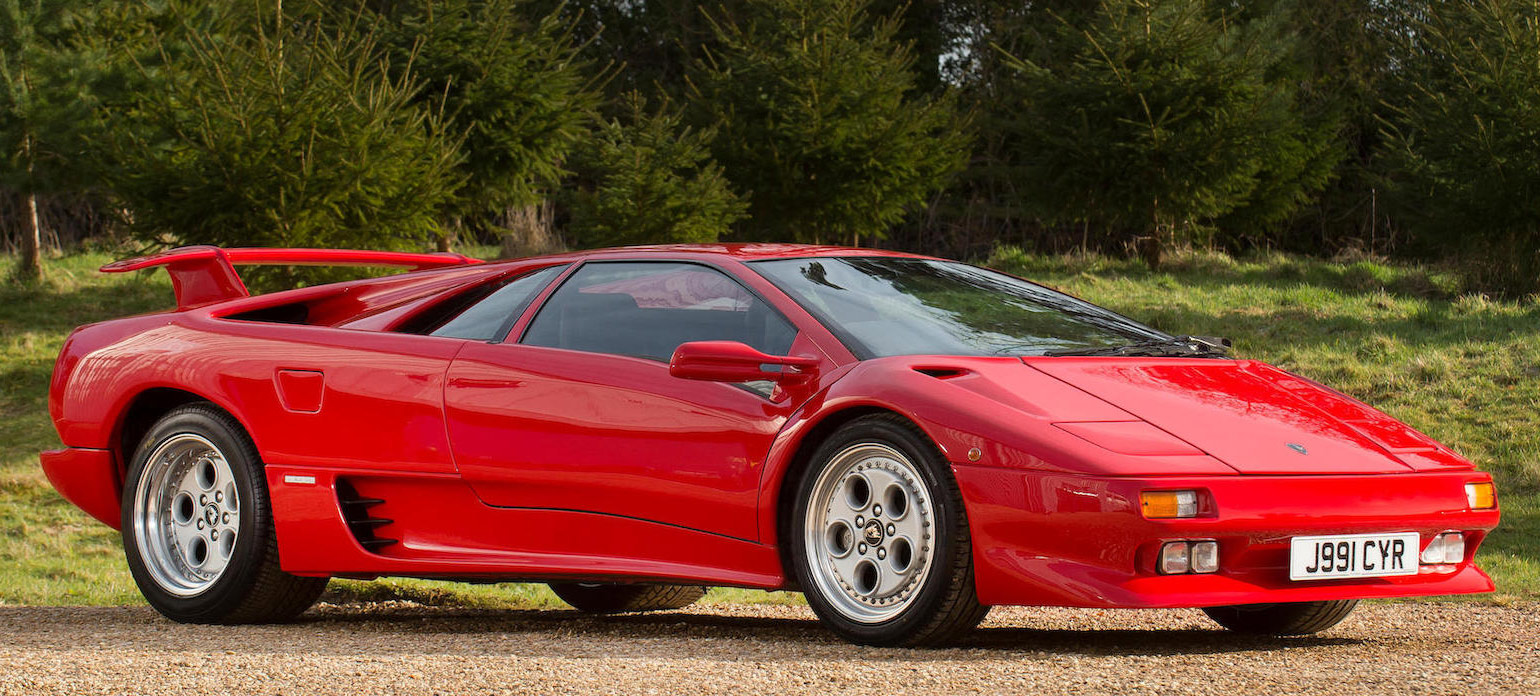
x: 439, y: 528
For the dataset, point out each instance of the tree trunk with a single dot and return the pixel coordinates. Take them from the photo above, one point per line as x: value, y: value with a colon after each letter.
x: 30, y: 265
x: 1152, y: 248
x: 531, y: 231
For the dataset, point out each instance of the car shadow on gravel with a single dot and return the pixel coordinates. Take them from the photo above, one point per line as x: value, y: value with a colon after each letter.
x: 375, y: 631
x: 681, y: 624
x: 1140, y: 642
x: 711, y: 629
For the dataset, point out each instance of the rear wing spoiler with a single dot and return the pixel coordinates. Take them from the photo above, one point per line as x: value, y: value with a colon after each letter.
x: 204, y: 275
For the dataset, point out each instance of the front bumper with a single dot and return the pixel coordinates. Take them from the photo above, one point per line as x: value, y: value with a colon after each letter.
x: 1041, y: 538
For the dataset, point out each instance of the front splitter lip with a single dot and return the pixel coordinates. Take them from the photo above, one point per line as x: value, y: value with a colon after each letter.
x: 1080, y: 586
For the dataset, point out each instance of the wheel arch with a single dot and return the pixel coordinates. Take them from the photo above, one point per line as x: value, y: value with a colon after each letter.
x: 147, y: 407
x: 258, y: 591
x: 130, y: 423
x: 809, y: 435
x: 945, y: 607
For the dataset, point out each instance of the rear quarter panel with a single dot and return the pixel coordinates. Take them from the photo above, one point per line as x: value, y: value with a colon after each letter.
x: 380, y: 403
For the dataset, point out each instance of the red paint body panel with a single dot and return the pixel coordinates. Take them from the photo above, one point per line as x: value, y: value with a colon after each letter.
x: 88, y: 478
x: 998, y: 405
x: 505, y: 461
x: 383, y: 392
x: 1240, y: 413
x: 1065, y: 540
x: 445, y: 531
x: 300, y: 391
x: 528, y: 421
x: 1130, y: 437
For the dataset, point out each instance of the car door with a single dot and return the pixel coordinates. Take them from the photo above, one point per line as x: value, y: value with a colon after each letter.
x: 582, y: 414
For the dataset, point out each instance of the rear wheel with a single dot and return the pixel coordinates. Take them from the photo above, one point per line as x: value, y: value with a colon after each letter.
x: 198, y: 527
x: 607, y: 598
x: 1286, y: 619
x: 879, y: 537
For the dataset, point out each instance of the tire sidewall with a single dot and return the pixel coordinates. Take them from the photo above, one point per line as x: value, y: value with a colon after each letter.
x: 597, y: 598
x: 226, y: 593
x: 945, y: 511
x: 610, y: 598
x: 1282, y: 618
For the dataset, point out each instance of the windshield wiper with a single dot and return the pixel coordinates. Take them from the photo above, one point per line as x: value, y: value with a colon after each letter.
x: 1176, y: 346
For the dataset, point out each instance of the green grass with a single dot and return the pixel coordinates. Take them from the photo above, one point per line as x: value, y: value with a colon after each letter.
x: 1463, y: 369
x: 50, y: 552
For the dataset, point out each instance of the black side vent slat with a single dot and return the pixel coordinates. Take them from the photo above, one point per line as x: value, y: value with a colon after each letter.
x: 355, y: 510
x: 361, y: 503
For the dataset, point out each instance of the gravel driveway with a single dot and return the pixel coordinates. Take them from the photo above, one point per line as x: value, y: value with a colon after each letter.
x: 742, y: 649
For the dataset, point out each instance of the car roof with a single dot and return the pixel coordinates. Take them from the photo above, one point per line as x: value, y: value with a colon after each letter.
x: 750, y: 251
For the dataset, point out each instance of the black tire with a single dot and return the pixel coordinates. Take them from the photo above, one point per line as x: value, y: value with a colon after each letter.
x: 945, y: 604
x: 607, y: 598
x: 251, y: 588
x: 1286, y: 619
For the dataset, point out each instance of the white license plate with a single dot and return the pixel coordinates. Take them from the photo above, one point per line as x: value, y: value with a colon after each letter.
x: 1353, y: 556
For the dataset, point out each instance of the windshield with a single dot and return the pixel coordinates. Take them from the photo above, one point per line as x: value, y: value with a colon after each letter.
x: 894, y: 306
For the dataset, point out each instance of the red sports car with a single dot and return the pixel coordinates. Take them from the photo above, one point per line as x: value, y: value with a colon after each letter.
x: 906, y: 440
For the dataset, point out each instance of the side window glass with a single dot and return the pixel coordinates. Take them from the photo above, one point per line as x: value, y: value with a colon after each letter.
x: 647, y: 309
x: 490, y: 309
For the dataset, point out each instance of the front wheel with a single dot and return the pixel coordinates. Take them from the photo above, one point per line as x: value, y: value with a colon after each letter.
x: 1285, y: 619
x: 198, y: 527
x: 879, y: 537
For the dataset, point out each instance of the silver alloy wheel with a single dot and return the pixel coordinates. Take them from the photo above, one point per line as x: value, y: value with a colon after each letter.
x: 186, y: 514
x: 869, y: 532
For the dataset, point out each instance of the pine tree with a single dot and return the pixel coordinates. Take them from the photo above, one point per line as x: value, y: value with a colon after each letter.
x: 649, y: 45
x: 1339, y: 60
x: 1153, y: 119
x: 273, y: 129
x: 1461, y: 155
x: 818, y: 120
x: 46, y: 103
x: 509, y: 81
x: 652, y: 181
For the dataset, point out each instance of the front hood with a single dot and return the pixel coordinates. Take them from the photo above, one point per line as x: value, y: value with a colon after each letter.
x: 1252, y: 416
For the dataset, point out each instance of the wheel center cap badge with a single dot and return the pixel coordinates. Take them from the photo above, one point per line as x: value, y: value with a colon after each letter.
x: 873, y: 532
x: 210, y: 515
